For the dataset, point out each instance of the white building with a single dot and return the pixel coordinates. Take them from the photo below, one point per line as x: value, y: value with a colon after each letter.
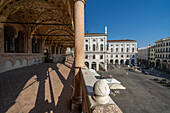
x: 122, y: 52
x: 162, y: 54
x: 95, y: 45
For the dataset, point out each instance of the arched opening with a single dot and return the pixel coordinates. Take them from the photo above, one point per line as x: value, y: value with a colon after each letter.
x: 101, y: 47
x: 127, y: 62
x: 133, y: 62
x: 152, y: 64
x: 19, y: 42
x: 164, y: 64
x: 101, y: 66
x: 111, y: 61
x: 87, y: 64
x: 9, y: 39
x: 122, y: 62
x: 35, y: 45
x: 158, y: 63
x: 94, y: 47
x: 87, y: 47
x: 93, y: 65
x: 116, y: 61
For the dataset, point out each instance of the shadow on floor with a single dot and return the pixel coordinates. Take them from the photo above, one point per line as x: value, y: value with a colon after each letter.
x: 13, y: 83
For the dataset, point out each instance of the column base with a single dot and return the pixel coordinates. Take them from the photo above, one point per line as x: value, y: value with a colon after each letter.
x: 76, y: 104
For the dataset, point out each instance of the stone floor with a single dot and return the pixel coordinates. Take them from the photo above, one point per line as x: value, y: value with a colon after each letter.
x: 44, y: 88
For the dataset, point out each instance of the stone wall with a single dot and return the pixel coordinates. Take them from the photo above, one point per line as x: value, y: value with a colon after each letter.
x: 9, y: 61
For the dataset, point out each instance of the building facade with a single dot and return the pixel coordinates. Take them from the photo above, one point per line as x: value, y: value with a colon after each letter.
x: 95, y: 47
x: 151, y: 59
x: 162, y: 54
x: 122, y: 52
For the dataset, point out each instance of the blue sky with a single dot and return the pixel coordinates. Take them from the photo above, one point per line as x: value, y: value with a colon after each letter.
x: 143, y: 20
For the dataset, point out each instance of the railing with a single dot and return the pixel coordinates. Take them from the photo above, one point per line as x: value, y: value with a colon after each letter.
x: 93, y: 101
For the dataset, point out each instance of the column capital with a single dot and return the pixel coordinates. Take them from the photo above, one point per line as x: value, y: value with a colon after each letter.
x: 84, y: 1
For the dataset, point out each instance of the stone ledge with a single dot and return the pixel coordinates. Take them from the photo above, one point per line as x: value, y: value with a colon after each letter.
x: 90, y: 105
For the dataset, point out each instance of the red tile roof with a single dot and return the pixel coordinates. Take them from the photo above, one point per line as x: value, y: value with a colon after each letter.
x: 96, y: 34
x: 125, y: 40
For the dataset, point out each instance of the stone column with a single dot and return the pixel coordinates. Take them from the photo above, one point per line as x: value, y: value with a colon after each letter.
x: 79, y: 48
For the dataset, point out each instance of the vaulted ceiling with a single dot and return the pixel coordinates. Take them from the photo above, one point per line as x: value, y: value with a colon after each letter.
x: 51, y: 20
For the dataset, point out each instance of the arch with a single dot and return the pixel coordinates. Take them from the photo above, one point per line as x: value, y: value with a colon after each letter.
x: 35, y: 45
x: 9, y: 39
x: 158, y: 63
x: 127, y: 62
x: 19, y: 42
x: 111, y: 61
x: 33, y: 61
x: 8, y: 65
x: 101, y: 66
x: 132, y: 61
x: 94, y: 47
x: 93, y: 65
x: 164, y: 64
x: 17, y: 64
x: 122, y: 62
x: 25, y: 62
x: 87, y: 64
x: 116, y: 61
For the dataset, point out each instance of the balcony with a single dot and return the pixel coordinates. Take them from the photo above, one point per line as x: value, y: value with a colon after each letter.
x: 47, y: 88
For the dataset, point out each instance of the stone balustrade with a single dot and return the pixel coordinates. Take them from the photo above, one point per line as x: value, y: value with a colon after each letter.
x: 95, y: 95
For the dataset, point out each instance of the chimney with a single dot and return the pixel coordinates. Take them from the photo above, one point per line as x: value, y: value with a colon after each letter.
x: 105, y: 29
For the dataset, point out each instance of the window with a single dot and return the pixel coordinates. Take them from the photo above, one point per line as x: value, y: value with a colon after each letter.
x: 94, y: 57
x: 101, y: 56
x: 19, y: 42
x: 133, y: 44
x: 94, y: 47
x: 127, y: 44
x: 122, y: 56
x: 133, y: 49
x: 101, y: 40
x: 101, y: 47
x: 111, y: 49
x: 121, y: 49
x: 9, y: 39
x: 111, y: 45
x: 116, y: 56
x: 127, y: 56
x: 52, y: 48
x: 86, y: 47
x: 35, y: 45
x: 116, y: 49
x: 86, y: 40
x: 116, y: 44
x: 94, y: 40
x: 121, y: 44
x: 86, y: 57
x: 127, y: 50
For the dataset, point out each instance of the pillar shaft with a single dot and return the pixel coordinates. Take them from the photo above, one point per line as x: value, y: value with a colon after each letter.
x: 79, y: 33
x: 79, y: 46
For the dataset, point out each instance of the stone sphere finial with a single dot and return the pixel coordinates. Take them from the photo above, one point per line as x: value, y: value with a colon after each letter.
x: 101, y: 92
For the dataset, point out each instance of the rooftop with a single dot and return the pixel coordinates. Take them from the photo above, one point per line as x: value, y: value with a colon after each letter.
x: 124, y: 40
x: 95, y: 34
